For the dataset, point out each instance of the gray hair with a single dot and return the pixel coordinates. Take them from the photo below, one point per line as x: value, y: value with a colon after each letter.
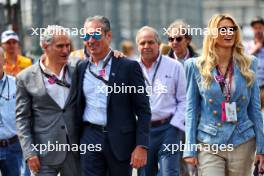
x: 151, y: 29
x: 47, y: 36
x: 180, y: 26
x: 102, y: 19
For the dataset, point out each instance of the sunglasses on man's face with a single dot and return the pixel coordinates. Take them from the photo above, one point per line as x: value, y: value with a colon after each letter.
x: 178, y: 39
x: 228, y: 29
x: 95, y: 36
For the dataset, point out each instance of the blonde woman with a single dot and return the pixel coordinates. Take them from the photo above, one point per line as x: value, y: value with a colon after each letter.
x: 224, y: 127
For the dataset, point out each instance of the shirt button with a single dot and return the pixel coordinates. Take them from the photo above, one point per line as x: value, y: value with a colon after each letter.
x: 219, y: 125
x: 63, y: 110
x: 62, y: 127
x: 211, y: 101
x: 243, y: 98
x: 238, y: 109
x: 215, y: 113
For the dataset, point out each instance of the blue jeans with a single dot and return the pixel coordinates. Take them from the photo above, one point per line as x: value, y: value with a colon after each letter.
x: 11, y: 161
x: 161, y: 161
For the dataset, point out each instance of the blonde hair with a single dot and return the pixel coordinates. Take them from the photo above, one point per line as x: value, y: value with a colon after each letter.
x: 207, y: 61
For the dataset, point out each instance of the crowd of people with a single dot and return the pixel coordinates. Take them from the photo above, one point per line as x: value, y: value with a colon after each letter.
x: 176, y: 113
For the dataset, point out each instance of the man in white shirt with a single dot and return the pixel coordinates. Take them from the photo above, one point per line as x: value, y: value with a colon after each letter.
x: 166, y: 79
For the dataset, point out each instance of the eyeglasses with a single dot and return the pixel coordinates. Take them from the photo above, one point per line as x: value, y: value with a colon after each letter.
x: 224, y: 30
x: 96, y: 36
x: 178, y: 39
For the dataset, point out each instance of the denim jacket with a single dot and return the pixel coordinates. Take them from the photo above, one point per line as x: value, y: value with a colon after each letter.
x: 203, y: 111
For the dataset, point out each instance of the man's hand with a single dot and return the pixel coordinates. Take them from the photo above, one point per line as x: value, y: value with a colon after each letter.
x: 34, y: 164
x: 139, y: 157
x: 191, y: 160
x: 118, y: 54
x: 260, y: 158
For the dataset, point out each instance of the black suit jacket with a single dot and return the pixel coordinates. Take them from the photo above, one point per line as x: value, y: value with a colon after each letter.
x: 128, y: 114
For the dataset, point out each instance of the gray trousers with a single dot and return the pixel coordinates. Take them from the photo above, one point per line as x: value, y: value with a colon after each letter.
x: 69, y: 167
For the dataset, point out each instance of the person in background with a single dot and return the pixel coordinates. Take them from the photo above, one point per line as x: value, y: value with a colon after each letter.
x: 223, y: 113
x: 127, y: 47
x: 14, y: 62
x: 164, y: 48
x: 11, y: 159
x: 179, y: 39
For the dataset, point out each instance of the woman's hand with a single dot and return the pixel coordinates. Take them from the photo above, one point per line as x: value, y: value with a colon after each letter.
x: 191, y: 160
x: 260, y: 158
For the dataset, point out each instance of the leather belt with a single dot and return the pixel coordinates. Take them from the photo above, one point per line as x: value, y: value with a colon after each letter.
x: 95, y: 126
x: 6, y: 142
x: 158, y: 123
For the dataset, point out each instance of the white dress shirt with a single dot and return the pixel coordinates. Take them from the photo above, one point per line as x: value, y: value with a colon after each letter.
x: 58, y: 93
x: 171, y: 76
x: 95, y: 93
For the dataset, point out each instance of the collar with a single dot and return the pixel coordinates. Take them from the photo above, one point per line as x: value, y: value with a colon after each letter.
x: 3, y: 78
x: 46, y: 70
x: 154, y: 63
x: 185, y: 57
x: 102, y: 61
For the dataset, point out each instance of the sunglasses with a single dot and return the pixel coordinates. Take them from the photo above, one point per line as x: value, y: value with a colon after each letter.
x: 227, y: 29
x: 95, y: 36
x: 178, y: 39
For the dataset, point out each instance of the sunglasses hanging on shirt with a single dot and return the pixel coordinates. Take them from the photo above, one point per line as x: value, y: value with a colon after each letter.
x: 6, y: 82
x: 52, y: 79
x: 102, y: 72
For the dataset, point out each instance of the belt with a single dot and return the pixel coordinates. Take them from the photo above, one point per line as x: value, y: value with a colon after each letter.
x: 95, y: 126
x: 158, y: 123
x: 6, y: 142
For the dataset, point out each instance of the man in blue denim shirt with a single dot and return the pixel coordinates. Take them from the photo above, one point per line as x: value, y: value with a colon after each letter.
x: 10, y: 150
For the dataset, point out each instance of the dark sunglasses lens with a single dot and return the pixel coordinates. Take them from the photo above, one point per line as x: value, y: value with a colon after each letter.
x: 170, y: 39
x: 178, y: 39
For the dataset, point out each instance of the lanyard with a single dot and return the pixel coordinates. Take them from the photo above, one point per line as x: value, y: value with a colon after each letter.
x: 102, y: 71
x: 155, y: 73
x: 1, y: 93
x: 222, y: 80
x: 52, y: 79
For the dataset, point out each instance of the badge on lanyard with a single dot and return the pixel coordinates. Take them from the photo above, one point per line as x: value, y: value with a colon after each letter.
x: 228, y: 113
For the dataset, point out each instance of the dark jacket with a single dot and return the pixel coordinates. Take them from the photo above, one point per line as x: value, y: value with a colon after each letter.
x: 125, y: 131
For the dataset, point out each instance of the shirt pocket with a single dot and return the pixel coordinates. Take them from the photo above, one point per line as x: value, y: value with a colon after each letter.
x: 165, y: 84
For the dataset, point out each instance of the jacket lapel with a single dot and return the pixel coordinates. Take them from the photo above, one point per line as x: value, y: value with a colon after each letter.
x: 114, y: 68
x: 73, y: 76
x: 42, y: 89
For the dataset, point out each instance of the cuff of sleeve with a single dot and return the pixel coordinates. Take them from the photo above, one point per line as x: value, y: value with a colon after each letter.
x: 260, y: 150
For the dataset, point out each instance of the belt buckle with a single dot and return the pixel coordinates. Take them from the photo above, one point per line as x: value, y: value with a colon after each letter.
x: 104, y: 129
x: 4, y: 143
